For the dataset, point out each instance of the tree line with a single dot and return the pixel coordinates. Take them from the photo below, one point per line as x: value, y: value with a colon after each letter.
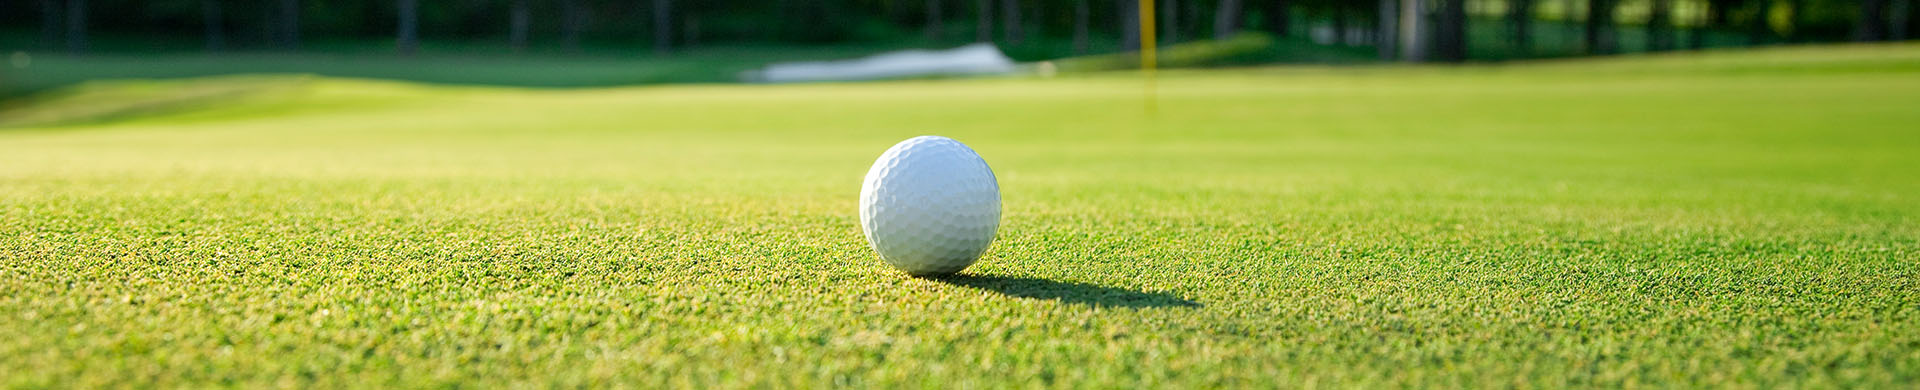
x: 1419, y: 30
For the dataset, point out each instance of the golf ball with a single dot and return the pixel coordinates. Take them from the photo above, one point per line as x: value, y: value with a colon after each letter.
x: 930, y: 206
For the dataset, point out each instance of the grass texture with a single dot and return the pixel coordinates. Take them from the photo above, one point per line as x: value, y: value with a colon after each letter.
x: 1740, y: 219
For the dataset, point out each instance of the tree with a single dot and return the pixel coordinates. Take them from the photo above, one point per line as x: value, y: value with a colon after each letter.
x: 1129, y: 24
x: 1796, y: 19
x: 1279, y: 20
x: 50, y: 24
x: 1169, y: 20
x: 211, y: 25
x: 1010, y: 23
x: 76, y: 26
x: 1450, y: 31
x: 689, y: 29
x: 785, y: 18
x: 573, y: 19
x: 1599, y: 27
x: 1226, y: 19
x: 983, y: 30
x: 1716, y: 14
x: 1415, y: 39
x: 518, y: 19
x: 1184, y: 13
x: 1520, y: 15
x: 1081, y: 14
x: 1757, y: 28
x: 662, y: 26
x: 1873, y: 21
x: 1720, y: 12
x: 1902, y: 11
x: 1660, y: 26
x: 1387, y: 42
x: 934, y: 20
x: 408, y: 41
x: 1340, y: 23
x: 288, y: 32
x: 1571, y: 8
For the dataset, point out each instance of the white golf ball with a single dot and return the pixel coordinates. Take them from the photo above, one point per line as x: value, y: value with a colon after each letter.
x: 930, y: 206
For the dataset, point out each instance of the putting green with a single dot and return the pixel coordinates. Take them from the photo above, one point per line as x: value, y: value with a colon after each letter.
x: 1730, y: 219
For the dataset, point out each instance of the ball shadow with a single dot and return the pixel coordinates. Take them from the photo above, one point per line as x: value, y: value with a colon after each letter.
x: 1067, y: 292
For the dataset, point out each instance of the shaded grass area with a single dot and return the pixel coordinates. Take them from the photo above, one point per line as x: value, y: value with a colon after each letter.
x: 1067, y: 292
x: 1732, y: 219
x: 709, y: 65
x: 105, y: 101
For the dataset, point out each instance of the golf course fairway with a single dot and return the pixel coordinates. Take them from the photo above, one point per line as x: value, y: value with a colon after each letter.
x: 1740, y: 219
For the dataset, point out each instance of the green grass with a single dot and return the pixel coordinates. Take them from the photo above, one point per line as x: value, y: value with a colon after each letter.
x: 1725, y: 220
x: 712, y: 65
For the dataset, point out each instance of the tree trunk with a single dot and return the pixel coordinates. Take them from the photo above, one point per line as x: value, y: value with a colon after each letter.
x: 76, y: 26
x: 983, y: 28
x: 1193, y: 20
x: 211, y: 24
x: 1279, y: 19
x: 1599, y: 27
x: 269, y: 28
x: 1226, y: 20
x: 1757, y: 28
x: 1902, y: 11
x: 1369, y: 31
x: 1385, y: 46
x: 1415, y: 39
x: 1873, y: 21
x: 934, y: 19
x: 517, y: 20
x: 1719, y: 12
x: 662, y: 26
x: 1340, y: 23
x: 1169, y: 21
x: 1660, y: 26
x: 789, y: 21
x: 1450, y: 33
x: 1010, y: 22
x: 50, y: 24
x: 289, y: 24
x: 690, y: 34
x: 1520, y: 14
x: 570, y: 21
x: 1129, y: 24
x: 408, y: 41
x: 1080, y: 16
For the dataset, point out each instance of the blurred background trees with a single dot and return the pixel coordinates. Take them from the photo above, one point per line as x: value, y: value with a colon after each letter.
x: 1410, y: 30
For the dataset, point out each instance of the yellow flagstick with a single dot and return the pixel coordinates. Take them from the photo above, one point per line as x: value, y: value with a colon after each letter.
x: 1148, y: 54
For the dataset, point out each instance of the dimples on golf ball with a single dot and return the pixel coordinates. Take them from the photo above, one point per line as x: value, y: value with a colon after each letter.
x: 930, y: 206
